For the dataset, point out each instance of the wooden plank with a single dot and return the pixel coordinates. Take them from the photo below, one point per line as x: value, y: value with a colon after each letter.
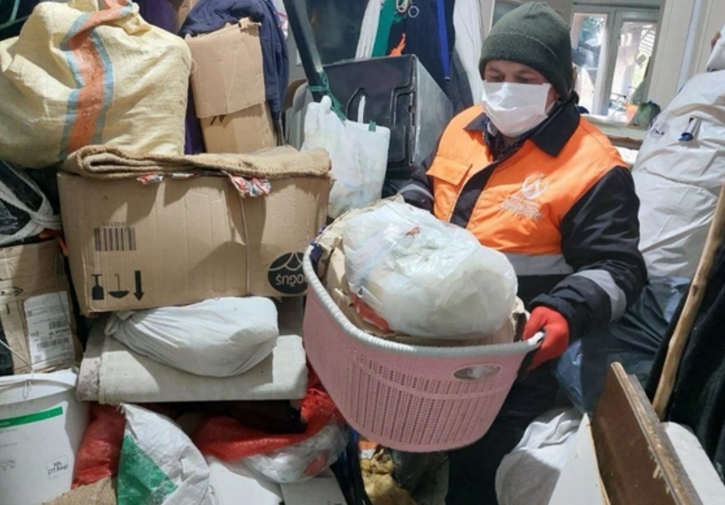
x: 637, y: 462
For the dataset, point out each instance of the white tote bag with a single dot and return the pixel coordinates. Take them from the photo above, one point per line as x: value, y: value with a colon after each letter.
x: 359, y: 155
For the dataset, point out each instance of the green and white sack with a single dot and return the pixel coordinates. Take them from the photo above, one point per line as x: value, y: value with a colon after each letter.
x: 159, y: 463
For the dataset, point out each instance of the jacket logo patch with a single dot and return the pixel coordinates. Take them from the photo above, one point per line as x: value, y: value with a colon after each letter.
x: 524, y: 202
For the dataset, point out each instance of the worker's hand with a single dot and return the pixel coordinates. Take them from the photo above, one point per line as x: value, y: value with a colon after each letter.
x: 556, y: 329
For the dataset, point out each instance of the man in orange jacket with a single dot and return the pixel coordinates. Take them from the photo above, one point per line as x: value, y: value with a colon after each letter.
x: 531, y: 178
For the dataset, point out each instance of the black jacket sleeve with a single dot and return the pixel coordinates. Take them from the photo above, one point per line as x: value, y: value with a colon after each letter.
x: 600, y: 240
x: 418, y: 191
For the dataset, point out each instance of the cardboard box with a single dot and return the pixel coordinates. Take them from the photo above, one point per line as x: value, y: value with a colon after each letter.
x: 229, y: 92
x: 36, y: 316
x: 134, y: 246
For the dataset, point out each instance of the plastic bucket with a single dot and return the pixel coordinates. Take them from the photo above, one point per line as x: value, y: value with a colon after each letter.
x: 41, y: 426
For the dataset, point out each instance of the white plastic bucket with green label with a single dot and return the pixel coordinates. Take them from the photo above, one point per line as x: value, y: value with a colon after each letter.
x: 41, y: 426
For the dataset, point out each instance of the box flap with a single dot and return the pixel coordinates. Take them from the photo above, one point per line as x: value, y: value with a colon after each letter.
x: 227, y: 75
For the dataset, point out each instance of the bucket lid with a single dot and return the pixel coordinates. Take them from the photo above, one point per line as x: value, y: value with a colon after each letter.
x: 13, y: 388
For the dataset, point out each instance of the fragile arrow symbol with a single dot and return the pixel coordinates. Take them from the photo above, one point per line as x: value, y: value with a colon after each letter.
x: 139, y: 288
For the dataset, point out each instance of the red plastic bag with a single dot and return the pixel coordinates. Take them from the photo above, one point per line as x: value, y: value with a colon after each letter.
x: 227, y: 440
x: 100, y: 449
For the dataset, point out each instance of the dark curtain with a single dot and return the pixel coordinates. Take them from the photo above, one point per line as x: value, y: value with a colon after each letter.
x: 698, y: 400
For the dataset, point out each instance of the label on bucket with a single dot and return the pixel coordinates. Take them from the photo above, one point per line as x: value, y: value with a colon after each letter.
x: 31, y: 418
x: 50, y: 337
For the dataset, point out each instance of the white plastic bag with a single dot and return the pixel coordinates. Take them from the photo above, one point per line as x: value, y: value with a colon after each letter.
x: 529, y: 474
x: 214, y: 338
x: 359, y: 156
x: 91, y: 72
x: 678, y: 182
x: 40, y: 219
x: 426, y: 278
x: 302, y: 461
x: 159, y: 464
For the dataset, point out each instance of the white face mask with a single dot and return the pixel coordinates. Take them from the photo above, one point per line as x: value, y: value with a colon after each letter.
x: 515, y: 108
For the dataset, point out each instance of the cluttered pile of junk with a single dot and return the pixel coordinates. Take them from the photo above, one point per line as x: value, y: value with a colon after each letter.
x: 204, y: 298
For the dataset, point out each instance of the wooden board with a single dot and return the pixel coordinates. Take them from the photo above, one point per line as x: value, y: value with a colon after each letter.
x: 637, y: 461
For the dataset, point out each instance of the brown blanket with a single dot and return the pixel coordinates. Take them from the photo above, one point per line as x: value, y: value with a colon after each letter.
x: 102, y: 162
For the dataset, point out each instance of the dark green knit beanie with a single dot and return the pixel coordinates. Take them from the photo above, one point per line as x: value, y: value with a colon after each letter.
x: 536, y: 36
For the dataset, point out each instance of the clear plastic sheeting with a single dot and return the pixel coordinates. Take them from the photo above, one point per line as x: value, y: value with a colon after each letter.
x: 426, y: 278
x: 24, y: 210
x: 302, y: 461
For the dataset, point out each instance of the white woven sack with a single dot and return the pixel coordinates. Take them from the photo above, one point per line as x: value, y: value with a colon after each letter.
x: 91, y: 72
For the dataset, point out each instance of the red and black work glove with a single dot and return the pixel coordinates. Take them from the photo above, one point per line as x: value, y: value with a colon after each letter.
x: 556, y: 330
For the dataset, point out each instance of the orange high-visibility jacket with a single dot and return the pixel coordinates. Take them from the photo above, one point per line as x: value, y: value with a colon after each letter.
x: 560, y: 204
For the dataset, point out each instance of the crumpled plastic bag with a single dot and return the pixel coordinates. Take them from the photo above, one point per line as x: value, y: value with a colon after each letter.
x: 302, y: 461
x: 426, y: 278
x: 159, y: 464
x: 25, y: 211
x: 215, y: 338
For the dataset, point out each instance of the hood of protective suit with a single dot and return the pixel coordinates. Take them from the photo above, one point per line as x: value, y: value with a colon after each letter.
x: 717, y: 57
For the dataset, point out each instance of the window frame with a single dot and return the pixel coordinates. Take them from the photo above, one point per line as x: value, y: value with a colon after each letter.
x: 616, y: 17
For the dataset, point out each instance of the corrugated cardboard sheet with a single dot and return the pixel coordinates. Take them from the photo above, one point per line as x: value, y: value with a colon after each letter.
x: 134, y: 246
x: 229, y: 92
x: 36, y: 318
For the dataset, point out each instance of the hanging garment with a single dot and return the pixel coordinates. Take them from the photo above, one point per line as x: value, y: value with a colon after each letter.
x: 210, y: 15
x: 429, y: 34
x: 698, y: 398
x: 468, y: 42
x: 158, y: 13
x: 385, y: 23
x: 369, y: 29
x: 459, y: 89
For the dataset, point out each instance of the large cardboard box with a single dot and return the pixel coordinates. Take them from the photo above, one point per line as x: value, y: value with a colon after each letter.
x: 134, y: 246
x: 36, y: 316
x: 229, y: 92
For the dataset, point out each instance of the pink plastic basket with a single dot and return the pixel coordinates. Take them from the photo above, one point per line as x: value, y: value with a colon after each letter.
x: 410, y: 398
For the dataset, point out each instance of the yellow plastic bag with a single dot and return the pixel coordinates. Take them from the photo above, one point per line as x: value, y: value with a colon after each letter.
x: 91, y: 72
